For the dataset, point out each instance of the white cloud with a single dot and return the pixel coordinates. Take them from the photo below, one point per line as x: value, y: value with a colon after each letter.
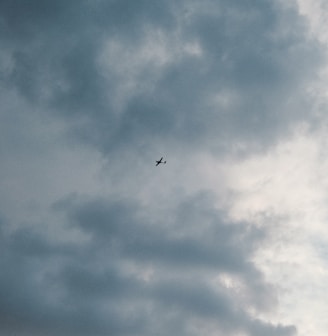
x: 286, y: 189
x: 316, y: 13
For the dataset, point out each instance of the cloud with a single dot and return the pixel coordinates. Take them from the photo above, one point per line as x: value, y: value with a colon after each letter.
x: 130, y: 268
x: 95, y: 239
x: 127, y: 74
x: 286, y: 190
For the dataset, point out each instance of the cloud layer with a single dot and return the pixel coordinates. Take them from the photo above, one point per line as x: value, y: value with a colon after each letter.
x: 97, y: 241
x: 130, y: 275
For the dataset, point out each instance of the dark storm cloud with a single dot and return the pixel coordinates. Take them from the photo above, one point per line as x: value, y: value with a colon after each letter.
x: 71, y: 289
x: 110, y: 223
x: 248, y: 50
x: 129, y: 77
x: 45, y: 288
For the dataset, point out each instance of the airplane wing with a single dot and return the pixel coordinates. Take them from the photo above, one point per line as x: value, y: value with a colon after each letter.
x: 159, y: 161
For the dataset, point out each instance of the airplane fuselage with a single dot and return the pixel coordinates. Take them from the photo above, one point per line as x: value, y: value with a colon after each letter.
x: 160, y: 161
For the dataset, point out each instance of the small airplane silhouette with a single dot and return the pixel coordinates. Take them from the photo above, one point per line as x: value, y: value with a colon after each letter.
x: 160, y: 161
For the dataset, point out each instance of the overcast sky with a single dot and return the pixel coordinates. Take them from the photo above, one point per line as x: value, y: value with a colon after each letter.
x: 230, y: 237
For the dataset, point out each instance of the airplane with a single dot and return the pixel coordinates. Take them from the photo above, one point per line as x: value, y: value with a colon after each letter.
x: 160, y: 161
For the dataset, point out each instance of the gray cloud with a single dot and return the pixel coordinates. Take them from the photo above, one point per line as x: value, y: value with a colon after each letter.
x: 248, y: 52
x: 127, y: 79
x: 91, y: 288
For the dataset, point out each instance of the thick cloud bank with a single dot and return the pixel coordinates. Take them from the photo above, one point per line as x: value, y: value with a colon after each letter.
x: 96, y: 240
x: 135, y: 275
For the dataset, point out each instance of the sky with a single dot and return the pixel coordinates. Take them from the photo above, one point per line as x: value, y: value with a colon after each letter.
x: 230, y: 236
